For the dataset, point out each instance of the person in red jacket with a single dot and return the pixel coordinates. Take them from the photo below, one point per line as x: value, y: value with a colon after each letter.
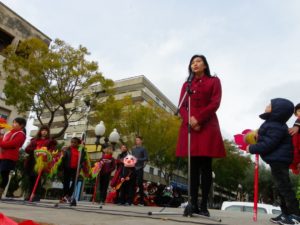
x: 206, y: 140
x: 109, y: 165
x: 295, y: 132
x: 69, y: 166
x: 42, y: 139
x: 10, y: 144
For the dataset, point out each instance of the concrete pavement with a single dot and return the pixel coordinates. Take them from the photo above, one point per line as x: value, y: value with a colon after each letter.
x: 86, y: 213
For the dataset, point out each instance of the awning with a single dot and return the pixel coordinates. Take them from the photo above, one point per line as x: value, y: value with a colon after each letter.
x: 92, y: 148
x: 182, y: 186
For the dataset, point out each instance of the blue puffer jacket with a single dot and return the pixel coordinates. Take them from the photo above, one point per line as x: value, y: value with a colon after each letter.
x: 274, y: 144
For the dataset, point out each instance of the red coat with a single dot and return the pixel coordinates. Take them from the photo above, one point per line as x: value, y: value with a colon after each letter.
x: 36, y: 143
x: 11, y: 143
x: 296, y: 159
x: 205, y: 101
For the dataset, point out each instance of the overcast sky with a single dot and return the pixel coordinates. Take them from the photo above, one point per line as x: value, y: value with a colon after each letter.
x: 253, y: 46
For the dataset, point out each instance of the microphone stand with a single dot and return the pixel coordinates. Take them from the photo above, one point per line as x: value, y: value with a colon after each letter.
x: 188, y: 211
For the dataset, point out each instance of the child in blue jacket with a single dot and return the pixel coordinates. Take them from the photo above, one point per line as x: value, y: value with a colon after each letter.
x: 274, y: 145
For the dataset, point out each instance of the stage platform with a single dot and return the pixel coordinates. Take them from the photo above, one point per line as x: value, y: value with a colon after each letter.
x: 87, y: 213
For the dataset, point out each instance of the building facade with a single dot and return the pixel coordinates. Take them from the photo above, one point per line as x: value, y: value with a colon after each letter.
x: 13, y: 29
x: 139, y: 88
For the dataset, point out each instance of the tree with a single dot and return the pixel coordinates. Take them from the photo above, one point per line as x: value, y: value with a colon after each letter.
x: 111, y: 112
x: 158, y: 128
x: 231, y: 169
x: 266, y: 188
x: 45, y: 80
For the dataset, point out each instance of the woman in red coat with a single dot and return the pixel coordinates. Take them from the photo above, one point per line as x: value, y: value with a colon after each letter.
x: 42, y: 139
x: 206, y: 139
x: 10, y: 144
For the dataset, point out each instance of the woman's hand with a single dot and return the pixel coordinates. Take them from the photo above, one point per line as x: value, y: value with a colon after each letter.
x: 247, y: 149
x: 293, y: 130
x: 194, y: 124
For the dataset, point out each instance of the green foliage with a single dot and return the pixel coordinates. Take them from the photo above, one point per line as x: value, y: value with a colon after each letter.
x: 111, y: 112
x: 232, y: 169
x: 45, y: 80
x: 265, y: 184
x: 298, y: 189
x: 158, y: 128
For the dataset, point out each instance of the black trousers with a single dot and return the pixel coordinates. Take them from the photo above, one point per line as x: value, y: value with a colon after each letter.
x: 200, y: 166
x: 5, y: 177
x: 127, y: 191
x: 6, y: 166
x: 288, y: 202
x: 69, y: 176
x: 103, y: 185
x: 139, y: 175
x: 32, y: 180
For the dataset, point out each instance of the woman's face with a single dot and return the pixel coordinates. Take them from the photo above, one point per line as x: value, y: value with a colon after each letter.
x: 198, y: 65
x: 44, y: 133
x: 17, y: 126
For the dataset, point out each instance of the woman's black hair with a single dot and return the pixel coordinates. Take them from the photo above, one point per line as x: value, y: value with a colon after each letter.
x: 206, y: 71
x: 43, y: 127
x: 77, y: 139
x: 22, y: 122
x: 297, y: 107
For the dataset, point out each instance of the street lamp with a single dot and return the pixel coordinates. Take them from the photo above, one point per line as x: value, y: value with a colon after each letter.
x: 99, y: 132
x: 114, y: 137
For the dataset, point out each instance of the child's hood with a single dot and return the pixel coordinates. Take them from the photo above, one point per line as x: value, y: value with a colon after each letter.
x: 282, y: 110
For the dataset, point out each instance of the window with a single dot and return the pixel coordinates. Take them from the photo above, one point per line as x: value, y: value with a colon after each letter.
x: 73, y: 123
x: 68, y: 136
x: 151, y: 170
x: 2, y: 95
x: 159, y: 173
x: 157, y: 99
x: 78, y: 134
x: 76, y: 101
x: 276, y: 211
x: 3, y: 116
x: 259, y: 209
x: 234, y: 208
x: 5, y: 40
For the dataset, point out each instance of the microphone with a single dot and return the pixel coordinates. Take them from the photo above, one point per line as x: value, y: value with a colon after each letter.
x: 190, y: 78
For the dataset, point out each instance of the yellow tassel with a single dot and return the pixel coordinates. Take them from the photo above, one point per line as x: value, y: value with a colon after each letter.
x: 5, y: 126
x: 42, y: 159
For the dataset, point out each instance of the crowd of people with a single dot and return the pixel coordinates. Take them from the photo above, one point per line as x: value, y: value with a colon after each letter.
x: 128, y: 176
